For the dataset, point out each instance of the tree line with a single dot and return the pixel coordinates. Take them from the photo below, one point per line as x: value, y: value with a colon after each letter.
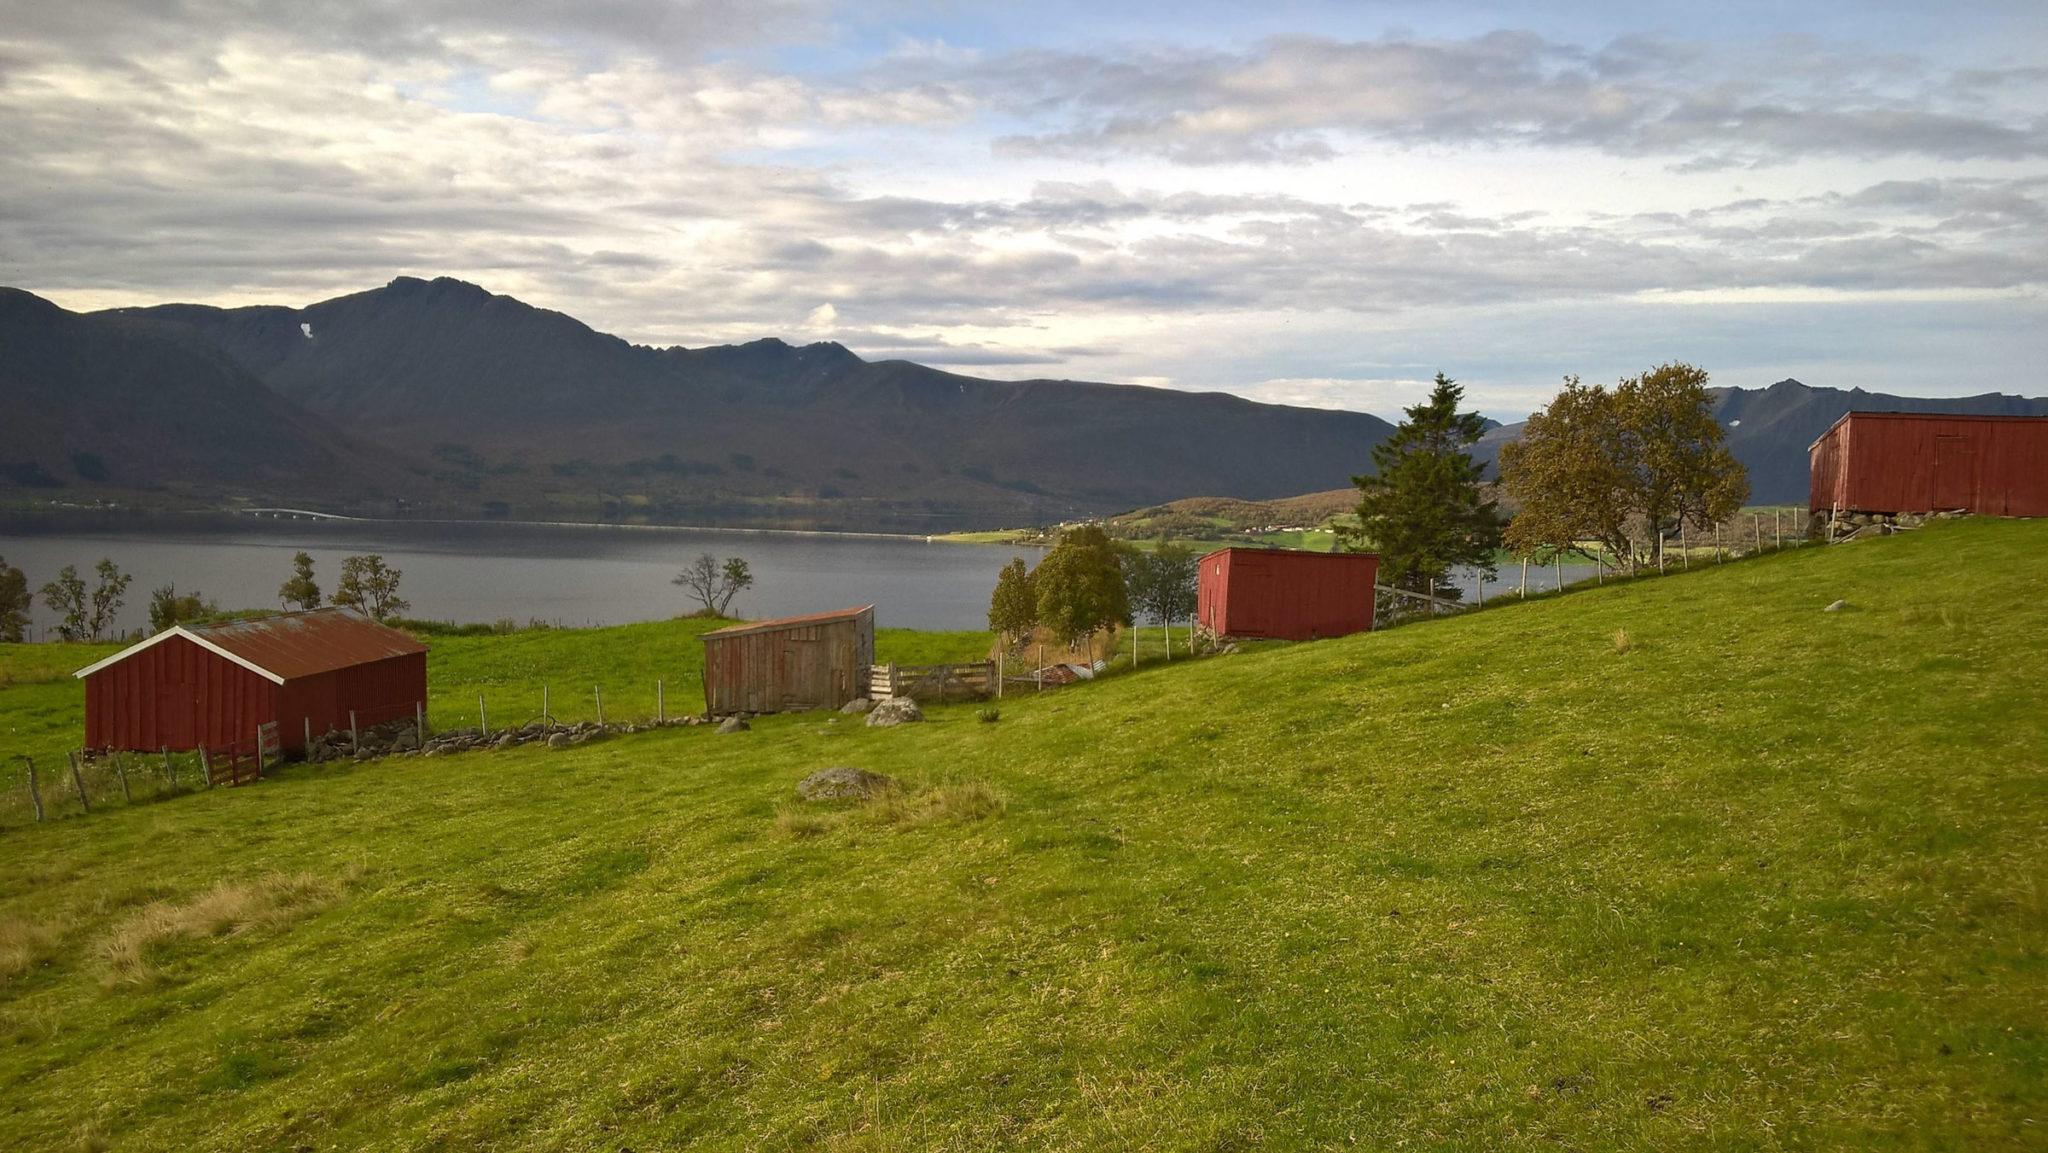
x: 87, y: 614
x: 1622, y: 468
x: 1088, y: 583
x: 1618, y: 468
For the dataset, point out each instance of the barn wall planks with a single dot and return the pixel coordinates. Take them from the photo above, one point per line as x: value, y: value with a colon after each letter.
x: 1282, y: 594
x: 1910, y: 462
x: 811, y: 662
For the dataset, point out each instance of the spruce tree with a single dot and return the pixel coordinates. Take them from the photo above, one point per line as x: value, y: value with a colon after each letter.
x: 1424, y: 508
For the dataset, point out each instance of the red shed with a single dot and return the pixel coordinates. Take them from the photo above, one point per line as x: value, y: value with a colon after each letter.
x: 1280, y: 594
x: 216, y: 683
x: 1894, y: 462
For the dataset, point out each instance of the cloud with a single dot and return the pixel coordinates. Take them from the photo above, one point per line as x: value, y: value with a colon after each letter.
x: 1301, y: 99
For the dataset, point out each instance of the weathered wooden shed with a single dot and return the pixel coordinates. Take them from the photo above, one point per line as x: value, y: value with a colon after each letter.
x: 1284, y: 594
x: 216, y: 684
x: 809, y: 662
x: 1900, y: 462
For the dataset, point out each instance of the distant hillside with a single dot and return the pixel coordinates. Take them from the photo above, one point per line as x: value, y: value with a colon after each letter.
x: 520, y: 411
x: 108, y: 404
x: 1769, y: 429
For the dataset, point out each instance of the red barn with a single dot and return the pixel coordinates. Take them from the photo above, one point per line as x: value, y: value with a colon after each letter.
x: 1895, y: 462
x: 1280, y: 594
x: 216, y: 683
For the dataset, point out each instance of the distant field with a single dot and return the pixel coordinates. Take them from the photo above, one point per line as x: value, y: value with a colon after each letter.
x: 1679, y: 863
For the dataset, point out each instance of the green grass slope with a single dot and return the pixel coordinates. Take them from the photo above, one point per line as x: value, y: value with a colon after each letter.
x: 1767, y: 879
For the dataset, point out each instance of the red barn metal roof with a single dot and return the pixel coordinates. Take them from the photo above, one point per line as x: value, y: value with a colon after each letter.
x: 288, y: 646
x: 787, y: 623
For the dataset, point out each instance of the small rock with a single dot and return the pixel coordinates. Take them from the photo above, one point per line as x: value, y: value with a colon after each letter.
x: 856, y: 707
x: 734, y: 725
x: 559, y: 741
x: 837, y: 783
x: 894, y: 711
x: 1838, y: 606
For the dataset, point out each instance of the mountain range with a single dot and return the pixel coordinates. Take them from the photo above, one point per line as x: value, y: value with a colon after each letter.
x: 438, y: 398
x: 477, y: 405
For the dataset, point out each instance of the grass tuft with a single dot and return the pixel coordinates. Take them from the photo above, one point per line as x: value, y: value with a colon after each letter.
x: 1621, y: 641
x: 24, y: 944
x: 229, y: 907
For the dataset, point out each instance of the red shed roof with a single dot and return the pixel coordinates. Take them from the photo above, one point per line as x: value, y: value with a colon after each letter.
x: 788, y: 622
x: 1989, y: 417
x: 289, y: 645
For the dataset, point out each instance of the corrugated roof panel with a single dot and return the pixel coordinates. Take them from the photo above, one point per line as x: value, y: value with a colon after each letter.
x: 294, y: 645
x: 787, y: 623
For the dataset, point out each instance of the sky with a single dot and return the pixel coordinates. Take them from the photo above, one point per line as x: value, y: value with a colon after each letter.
x: 1310, y: 203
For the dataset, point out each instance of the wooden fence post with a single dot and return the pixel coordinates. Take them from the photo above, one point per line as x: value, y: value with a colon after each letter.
x: 599, y: 690
x: 660, y: 706
x: 78, y: 778
x: 121, y: 771
x: 1756, y: 522
x: 419, y: 724
x: 999, y: 668
x: 35, y: 796
x: 170, y: 770
x: 1525, y: 578
x: 309, y: 737
x: 483, y: 719
x: 355, y: 739
x: 547, y: 714
x: 1684, y: 546
x: 1557, y: 566
x: 205, y: 765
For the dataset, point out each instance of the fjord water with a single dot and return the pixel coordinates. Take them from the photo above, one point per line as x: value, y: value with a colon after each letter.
x: 467, y: 571
x: 571, y: 575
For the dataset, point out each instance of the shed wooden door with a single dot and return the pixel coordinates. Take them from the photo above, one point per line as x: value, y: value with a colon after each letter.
x: 1955, y: 472
x: 804, y: 674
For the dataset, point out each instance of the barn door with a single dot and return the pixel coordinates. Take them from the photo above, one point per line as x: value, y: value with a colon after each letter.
x: 1955, y: 472
x: 803, y: 674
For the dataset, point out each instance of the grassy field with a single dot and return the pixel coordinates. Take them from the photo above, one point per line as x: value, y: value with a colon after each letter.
x: 42, y: 708
x: 1682, y: 863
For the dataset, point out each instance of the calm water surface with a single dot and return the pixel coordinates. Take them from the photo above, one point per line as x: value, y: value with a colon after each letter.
x: 573, y: 575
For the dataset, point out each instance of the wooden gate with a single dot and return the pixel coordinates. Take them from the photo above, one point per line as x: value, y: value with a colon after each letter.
x: 243, y: 761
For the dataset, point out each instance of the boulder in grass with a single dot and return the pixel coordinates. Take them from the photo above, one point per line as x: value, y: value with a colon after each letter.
x: 856, y: 706
x: 841, y: 783
x: 894, y: 711
x: 734, y: 725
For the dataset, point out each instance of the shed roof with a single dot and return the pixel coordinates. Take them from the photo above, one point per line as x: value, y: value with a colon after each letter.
x: 1861, y: 414
x: 1291, y: 552
x: 832, y: 617
x: 287, y: 646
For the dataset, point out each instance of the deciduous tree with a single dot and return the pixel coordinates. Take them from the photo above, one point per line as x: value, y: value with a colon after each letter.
x: 1013, y: 607
x: 1622, y: 468
x: 167, y: 608
x: 713, y: 584
x: 370, y: 585
x: 1080, y: 586
x: 300, y: 591
x: 15, y: 603
x: 1424, y: 508
x: 1161, y: 586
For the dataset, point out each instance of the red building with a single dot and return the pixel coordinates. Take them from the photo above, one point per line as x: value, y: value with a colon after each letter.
x: 1894, y: 462
x: 217, y: 683
x: 1277, y: 594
